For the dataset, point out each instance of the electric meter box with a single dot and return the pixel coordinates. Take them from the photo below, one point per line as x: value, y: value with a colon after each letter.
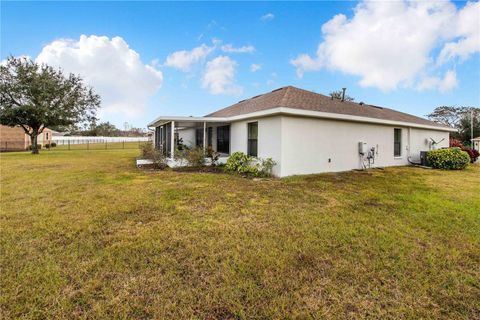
x: 362, y: 148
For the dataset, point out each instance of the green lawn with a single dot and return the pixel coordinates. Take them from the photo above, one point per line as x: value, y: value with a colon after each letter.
x: 84, y: 234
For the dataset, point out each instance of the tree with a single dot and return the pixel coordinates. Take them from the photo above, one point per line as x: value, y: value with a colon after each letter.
x: 105, y: 129
x: 465, y: 127
x: 36, y: 96
x: 459, y: 118
x: 338, y: 95
x: 447, y: 115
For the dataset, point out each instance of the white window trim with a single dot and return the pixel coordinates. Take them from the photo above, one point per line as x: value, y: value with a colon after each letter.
x: 401, y: 144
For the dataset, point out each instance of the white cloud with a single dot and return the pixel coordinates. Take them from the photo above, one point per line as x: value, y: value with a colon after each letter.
x: 113, y: 69
x: 304, y: 62
x: 219, y: 76
x: 254, y: 67
x: 272, y: 80
x: 391, y: 43
x: 267, y: 17
x: 467, y: 32
x: 244, y: 49
x: 183, y: 60
x: 448, y: 82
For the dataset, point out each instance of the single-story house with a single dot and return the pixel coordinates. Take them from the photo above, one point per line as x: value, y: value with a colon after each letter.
x: 306, y: 132
x: 15, y: 138
x: 476, y: 143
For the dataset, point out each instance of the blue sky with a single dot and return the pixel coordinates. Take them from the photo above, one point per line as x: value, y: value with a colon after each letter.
x: 154, y: 58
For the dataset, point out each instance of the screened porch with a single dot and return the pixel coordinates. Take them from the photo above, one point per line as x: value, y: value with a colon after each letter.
x: 180, y: 132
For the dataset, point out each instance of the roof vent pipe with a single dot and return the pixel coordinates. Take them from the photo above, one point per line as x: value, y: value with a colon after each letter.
x: 343, y: 93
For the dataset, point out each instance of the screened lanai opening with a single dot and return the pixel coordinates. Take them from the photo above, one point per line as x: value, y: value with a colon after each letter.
x: 191, y: 134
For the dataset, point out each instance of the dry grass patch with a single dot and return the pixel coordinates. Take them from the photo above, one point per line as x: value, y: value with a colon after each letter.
x: 87, y: 235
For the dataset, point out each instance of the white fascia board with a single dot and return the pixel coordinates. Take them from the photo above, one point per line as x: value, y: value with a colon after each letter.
x: 299, y: 113
x: 334, y: 116
x: 164, y: 119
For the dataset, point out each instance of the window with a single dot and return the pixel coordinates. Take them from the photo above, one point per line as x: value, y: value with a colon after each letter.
x: 223, y: 139
x: 252, y: 148
x: 199, y: 137
x: 46, y: 133
x: 397, y: 142
x: 209, y: 136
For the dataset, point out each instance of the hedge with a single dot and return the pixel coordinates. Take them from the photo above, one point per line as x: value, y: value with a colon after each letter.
x: 449, y: 159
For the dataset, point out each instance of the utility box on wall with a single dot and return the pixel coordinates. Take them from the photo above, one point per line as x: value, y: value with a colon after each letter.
x: 362, y: 148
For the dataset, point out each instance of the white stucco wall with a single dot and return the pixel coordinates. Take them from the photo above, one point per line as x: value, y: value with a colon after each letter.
x: 304, y: 145
x: 269, y: 139
x: 420, y: 141
x: 316, y: 145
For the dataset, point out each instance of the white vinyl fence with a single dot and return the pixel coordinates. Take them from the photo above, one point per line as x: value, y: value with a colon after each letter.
x: 62, y: 140
x: 98, y: 143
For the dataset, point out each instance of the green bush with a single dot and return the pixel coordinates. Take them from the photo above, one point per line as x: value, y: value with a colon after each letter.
x: 53, y: 144
x: 241, y: 163
x: 236, y: 161
x: 39, y: 146
x: 449, y: 159
x: 191, y: 157
x: 267, y: 166
x: 213, y: 156
x: 195, y: 157
x: 149, y: 152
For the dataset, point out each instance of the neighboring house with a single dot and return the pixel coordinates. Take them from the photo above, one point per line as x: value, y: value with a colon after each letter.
x: 306, y: 132
x: 14, y: 138
x: 476, y: 143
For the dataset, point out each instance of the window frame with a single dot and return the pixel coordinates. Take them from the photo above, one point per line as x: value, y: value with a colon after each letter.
x: 199, y: 137
x: 252, y: 142
x: 223, y: 139
x: 399, y: 142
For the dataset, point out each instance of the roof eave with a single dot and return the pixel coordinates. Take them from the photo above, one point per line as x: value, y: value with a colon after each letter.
x: 301, y: 113
x: 165, y: 119
x: 334, y: 116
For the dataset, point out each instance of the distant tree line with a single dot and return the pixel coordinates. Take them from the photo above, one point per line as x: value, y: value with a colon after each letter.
x: 459, y: 118
x: 102, y: 129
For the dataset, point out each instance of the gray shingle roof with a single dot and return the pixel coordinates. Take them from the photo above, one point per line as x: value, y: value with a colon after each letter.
x: 292, y: 97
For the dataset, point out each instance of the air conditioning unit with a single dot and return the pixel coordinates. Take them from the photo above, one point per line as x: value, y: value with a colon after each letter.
x: 423, y: 158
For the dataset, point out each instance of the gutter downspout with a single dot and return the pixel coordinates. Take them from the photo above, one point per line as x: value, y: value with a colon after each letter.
x: 409, y: 142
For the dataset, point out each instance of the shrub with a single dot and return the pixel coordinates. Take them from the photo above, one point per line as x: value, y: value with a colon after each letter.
x: 267, y: 166
x: 241, y: 163
x: 53, y: 144
x: 212, y: 155
x: 149, y: 152
x: 47, y: 145
x: 195, y: 157
x: 236, y: 161
x: 455, y: 143
x: 472, y: 153
x: 448, y: 159
x: 39, y: 146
